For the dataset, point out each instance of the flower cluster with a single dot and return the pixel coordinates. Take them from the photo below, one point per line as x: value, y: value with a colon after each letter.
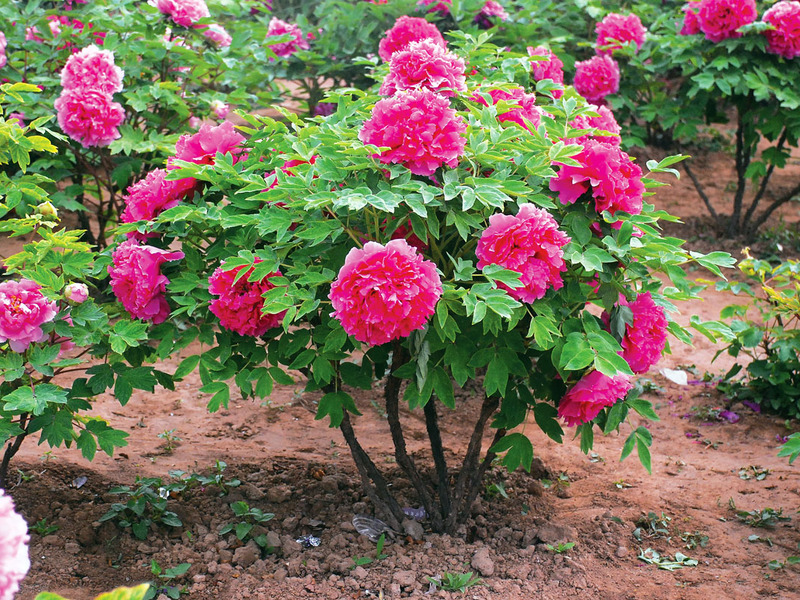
x: 550, y: 68
x: 239, y: 303
x: 86, y: 110
x: 384, y: 293
x: 529, y: 243
x: 691, y: 26
x: 522, y: 111
x: 420, y: 129
x: 425, y: 64
x: 406, y: 30
x: 92, y: 68
x: 719, y: 19
x: 615, y: 180
x: 784, y: 40
x: 615, y: 29
x: 490, y: 9
x: 587, y: 398
x: 14, y: 561
x: 298, y: 41
x: 645, y: 338
x: 149, y: 197
x: 596, y: 78
x: 202, y: 147
x: 184, y: 12
x: 137, y: 281
x: 23, y: 311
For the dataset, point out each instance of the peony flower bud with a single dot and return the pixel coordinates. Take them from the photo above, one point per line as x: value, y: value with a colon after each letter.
x: 76, y: 292
x: 48, y: 211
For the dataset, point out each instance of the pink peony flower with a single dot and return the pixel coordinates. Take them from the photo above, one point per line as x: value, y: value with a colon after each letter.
x: 137, y: 281
x: 596, y: 78
x: 605, y: 121
x: 425, y: 64
x: 14, y: 561
x: 522, y: 109
x: 202, y: 147
x: 490, y: 9
x: 93, y: 69
x: 691, y: 26
x: 220, y: 109
x: 615, y: 28
x: 217, y: 34
x: 784, y: 40
x: 89, y: 116
x: 646, y: 338
x: 407, y: 30
x: 441, y: 6
x: 383, y: 293
x: 77, y: 293
x: 551, y: 68
x: 587, y: 398
x: 529, y: 243
x: 3, y: 44
x: 239, y: 304
x: 149, y: 197
x: 615, y: 180
x: 184, y: 12
x: 278, y: 27
x: 420, y: 129
x: 719, y: 19
x: 23, y: 311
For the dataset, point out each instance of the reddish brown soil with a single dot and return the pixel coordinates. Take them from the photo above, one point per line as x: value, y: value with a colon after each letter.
x: 300, y: 470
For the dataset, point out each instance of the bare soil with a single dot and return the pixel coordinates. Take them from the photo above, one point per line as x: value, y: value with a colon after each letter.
x: 300, y: 470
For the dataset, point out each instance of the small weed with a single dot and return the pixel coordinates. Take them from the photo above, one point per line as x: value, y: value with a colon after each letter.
x: 644, y: 385
x: 776, y: 565
x: 758, y: 539
x: 216, y: 478
x: 753, y: 472
x: 694, y: 540
x: 455, y: 582
x: 561, y: 548
x: 250, y: 517
x: 710, y: 444
x: 25, y: 477
x: 145, y: 504
x: 170, y: 440
x: 651, y: 526
x: 594, y: 457
x: 561, y: 482
x: 359, y: 561
x: 493, y: 490
x: 652, y: 557
x: 765, y: 517
x: 43, y: 529
x: 622, y: 484
x: 171, y: 591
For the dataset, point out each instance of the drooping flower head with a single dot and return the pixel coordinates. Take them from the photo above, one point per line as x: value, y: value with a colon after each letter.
x: 616, y: 28
x: 615, y: 180
x: 184, y: 12
x: 94, y: 69
x: 137, y: 281
x: 523, y: 106
x: 383, y: 293
x: 149, y: 197
x: 89, y: 116
x: 217, y: 34
x: 406, y: 30
x: 646, y: 338
x: 441, y: 6
x: 490, y: 9
x: 3, y: 44
x: 529, y: 243
x: 14, y: 561
x: 298, y: 41
x: 587, y: 398
x: 691, y: 26
x: 551, y: 68
x: 596, y: 78
x: 719, y: 19
x: 23, y: 311
x: 784, y: 40
x: 425, y: 64
x: 420, y: 129
x: 239, y: 303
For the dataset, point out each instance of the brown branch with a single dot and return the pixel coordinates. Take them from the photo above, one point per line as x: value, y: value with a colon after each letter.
x: 12, y: 449
x: 437, y: 450
x: 700, y: 191
x: 764, y: 181
x: 771, y: 208
x: 478, y: 475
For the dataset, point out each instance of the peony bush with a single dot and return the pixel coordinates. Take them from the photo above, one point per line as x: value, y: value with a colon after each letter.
x: 495, y: 238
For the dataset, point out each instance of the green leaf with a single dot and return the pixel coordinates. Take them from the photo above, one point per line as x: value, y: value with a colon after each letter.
x: 34, y: 401
x: 644, y: 408
x: 333, y: 405
x: 187, y: 365
x: 443, y: 386
x: 518, y: 449
x: 546, y: 416
x: 221, y: 395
